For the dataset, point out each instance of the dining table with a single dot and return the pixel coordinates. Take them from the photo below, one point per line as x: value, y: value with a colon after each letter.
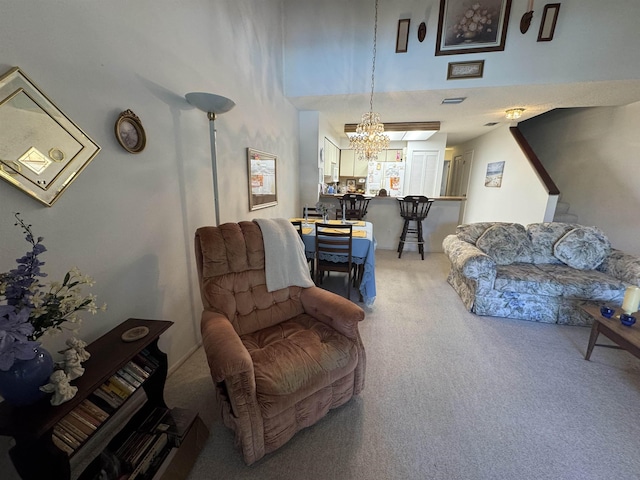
x: 363, y: 245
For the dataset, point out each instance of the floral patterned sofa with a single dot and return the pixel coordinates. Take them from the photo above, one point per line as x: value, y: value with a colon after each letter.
x: 542, y: 272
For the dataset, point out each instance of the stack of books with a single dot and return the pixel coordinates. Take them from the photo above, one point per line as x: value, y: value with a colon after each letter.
x: 147, y: 446
x: 77, y: 426
x: 124, y: 382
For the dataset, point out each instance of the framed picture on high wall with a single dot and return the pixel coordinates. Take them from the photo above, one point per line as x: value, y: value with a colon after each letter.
x: 472, y: 26
x: 494, y: 174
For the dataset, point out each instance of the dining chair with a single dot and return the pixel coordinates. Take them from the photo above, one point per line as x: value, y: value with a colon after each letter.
x: 312, y: 212
x: 334, y: 242
x: 354, y: 206
x: 298, y: 226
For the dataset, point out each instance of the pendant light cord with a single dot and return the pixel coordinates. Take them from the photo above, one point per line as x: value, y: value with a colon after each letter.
x: 373, y: 68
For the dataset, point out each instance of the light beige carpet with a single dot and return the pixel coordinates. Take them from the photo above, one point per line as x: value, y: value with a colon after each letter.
x: 450, y: 395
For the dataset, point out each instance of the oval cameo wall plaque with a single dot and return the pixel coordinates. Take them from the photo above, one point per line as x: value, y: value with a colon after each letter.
x: 422, y: 31
x: 130, y: 133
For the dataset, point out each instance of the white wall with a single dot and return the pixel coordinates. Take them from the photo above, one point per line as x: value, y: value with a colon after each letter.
x: 521, y: 198
x: 313, y: 130
x: 129, y: 220
x: 328, y: 47
x: 309, y: 122
x: 592, y: 155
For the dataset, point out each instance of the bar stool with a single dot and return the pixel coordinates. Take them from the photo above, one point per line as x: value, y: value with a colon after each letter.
x: 354, y: 205
x: 413, y: 208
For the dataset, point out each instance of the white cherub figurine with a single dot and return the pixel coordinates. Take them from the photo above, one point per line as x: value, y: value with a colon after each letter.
x: 78, y: 345
x: 72, y: 366
x: 60, y: 387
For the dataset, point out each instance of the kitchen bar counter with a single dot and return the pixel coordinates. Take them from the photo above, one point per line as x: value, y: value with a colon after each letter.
x: 384, y: 213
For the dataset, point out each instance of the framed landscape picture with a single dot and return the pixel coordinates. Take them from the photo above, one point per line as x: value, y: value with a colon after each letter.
x: 470, y: 26
x: 262, y: 179
x: 494, y: 174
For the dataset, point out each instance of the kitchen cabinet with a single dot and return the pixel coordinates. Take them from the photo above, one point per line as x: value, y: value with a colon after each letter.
x: 392, y: 155
x: 350, y: 166
x: 331, y: 157
x: 347, y: 158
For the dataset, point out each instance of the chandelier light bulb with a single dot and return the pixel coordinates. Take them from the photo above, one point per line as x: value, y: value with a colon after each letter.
x: 514, y: 113
x: 369, y: 139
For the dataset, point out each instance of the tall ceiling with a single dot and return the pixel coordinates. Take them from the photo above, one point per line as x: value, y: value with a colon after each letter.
x: 328, y: 55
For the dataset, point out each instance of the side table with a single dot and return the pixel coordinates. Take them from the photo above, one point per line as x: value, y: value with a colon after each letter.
x: 627, y: 338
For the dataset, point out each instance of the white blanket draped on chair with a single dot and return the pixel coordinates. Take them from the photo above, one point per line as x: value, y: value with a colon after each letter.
x: 285, y: 263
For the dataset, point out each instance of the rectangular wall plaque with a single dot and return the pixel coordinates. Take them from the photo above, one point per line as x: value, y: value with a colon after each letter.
x: 41, y: 150
x: 402, y: 40
x: 472, y: 69
x: 548, y: 23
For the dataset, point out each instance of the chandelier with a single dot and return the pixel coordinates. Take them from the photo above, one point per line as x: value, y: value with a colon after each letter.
x: 514, y: 113
x: 369, y: 139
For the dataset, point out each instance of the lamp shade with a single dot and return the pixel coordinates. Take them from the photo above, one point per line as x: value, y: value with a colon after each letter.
x: 210, y: 102
x: 213, y: 105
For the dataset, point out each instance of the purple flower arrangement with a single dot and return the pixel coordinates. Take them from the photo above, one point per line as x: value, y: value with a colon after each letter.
x: 30, y: 309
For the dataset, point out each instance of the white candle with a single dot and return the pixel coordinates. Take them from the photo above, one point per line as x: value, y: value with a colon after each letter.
x: 631, y: 299
x: 344, y: 211
x: 530, y: 7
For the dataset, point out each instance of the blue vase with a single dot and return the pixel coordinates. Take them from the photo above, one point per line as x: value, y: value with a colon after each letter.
x: 20, y: 385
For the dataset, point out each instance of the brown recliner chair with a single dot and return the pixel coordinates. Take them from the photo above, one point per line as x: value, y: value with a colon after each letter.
x: 279, y: 360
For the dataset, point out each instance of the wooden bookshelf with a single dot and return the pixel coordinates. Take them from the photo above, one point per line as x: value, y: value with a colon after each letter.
x: 35, y: 455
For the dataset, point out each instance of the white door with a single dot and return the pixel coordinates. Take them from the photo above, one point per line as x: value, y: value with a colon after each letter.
x: 467, y: 161
x: 422, y: 175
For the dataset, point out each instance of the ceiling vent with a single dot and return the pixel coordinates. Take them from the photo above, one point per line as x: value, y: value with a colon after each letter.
x: 453, y: 100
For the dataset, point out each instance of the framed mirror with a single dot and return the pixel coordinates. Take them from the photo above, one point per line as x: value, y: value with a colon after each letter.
x: 41, y: 150
x: 263, y: 191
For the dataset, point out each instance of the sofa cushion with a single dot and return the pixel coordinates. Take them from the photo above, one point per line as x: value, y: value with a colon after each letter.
x: 505, y: 243
x: 526, y: 278
x: 558, y: 280
x: 544, y: 236
x: 295, y: 358
x: 583, y: 248
x: 586, y: 284
x: 470, y: 232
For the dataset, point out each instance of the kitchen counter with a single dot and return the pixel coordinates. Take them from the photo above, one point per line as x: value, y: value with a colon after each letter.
x: 384, y: 213
x: 439, y: 199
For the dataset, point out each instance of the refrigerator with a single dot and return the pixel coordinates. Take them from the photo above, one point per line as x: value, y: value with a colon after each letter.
x: 387, y: 175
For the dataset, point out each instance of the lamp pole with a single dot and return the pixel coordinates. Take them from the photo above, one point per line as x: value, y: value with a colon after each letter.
x: 213, y: 105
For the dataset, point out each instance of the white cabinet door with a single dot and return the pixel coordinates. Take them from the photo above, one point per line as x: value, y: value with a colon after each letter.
x: 347, y: 158
x: 360, y: 168
x: 331, y: 156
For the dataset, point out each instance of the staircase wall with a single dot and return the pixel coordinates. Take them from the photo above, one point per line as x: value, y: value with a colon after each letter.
x: 593, y: 155
x: 522, y: 197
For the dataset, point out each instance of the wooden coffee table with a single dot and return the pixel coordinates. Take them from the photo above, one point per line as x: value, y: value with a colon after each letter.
x: 628, y: 338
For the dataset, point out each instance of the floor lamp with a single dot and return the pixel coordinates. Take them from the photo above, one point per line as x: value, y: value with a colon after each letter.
x: 214, y: 105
